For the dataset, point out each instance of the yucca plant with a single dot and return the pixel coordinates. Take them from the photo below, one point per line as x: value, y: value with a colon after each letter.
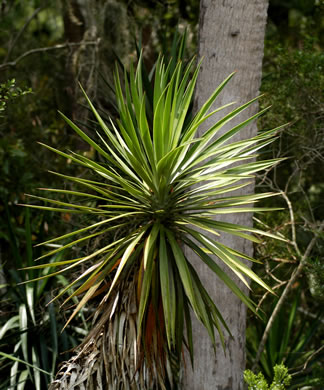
x: 159, y: 189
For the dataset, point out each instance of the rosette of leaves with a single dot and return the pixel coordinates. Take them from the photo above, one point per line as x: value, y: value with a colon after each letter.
x: 160, y: 185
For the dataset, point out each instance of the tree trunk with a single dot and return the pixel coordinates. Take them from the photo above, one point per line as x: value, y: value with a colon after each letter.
x: 74, y: 28
x: 231, y: 39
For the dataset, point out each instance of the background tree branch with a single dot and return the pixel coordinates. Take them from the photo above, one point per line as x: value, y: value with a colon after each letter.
x: 45, y: 49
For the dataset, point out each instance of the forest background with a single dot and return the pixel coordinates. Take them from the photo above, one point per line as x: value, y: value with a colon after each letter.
x: 45, y: 47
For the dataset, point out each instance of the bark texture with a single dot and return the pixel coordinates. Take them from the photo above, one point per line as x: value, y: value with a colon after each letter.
x: 99, y: 30
x: 231, y: 37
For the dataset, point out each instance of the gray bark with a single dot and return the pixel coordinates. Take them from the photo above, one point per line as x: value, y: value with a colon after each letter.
x: 231, y: 38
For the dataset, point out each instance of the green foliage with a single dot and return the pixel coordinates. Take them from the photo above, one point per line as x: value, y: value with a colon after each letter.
x: 257, y: 382
x: 31, y: 340
x: 27, y: 26
x: 293, y: 82
x: 293, y: 344
x: 298, y: 78
x: 8, y: 91
x: 291, y: 21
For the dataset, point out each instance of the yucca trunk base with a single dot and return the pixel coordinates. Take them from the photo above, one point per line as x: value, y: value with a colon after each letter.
x: 109, y: 358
